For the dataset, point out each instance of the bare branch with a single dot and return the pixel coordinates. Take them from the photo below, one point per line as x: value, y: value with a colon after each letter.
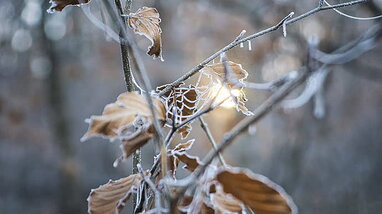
x: 124, y: 48
x: 142, y: 74
x: 258, y: 34
x: 272, y: 85
x: 352, y: 17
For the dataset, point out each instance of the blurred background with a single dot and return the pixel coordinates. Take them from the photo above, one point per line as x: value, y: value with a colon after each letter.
x: 58, y: 69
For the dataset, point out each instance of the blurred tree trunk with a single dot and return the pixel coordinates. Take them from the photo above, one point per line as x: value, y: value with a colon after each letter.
x: 69, y: 195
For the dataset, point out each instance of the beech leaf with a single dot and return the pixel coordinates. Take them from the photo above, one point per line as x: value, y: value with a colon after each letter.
x: 184, y: 106
x: 146, y: 22
x: 234, y: 78
x: 256, y: 191
x: 111, y: 197
x: 236, y: 74
x: 59, y: 5
x: 178, y: 154
x: 117, y: 116
x: 128, y: 119
x: 225, y: 203
x: 191, y: 162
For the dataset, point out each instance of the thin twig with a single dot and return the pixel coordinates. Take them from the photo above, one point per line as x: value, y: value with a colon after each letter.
x: 142, y: 74
x: 153, y: 188
x: 272, y: 85
x: 124, y: 48
x: 258, y: 34
x: 211, y: 139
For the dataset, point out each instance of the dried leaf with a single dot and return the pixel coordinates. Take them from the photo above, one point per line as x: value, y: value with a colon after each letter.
x: 128, y: 119
x: 225, y: 203
x: 58, y: 5
x: 205, y: 209
x: 117, y: 117
x: 110, y: 198
x: 178, y: 150
x: 185, y: 105
x: 185, y: 131
x: 256, y: 191
x: 240, y: 103
x: 234, y: 79
x: 191, y: 162
x: 182, y: 147
x: 197, y: 205
x: 236, y: 74
x: 140, y: 131
x: 146, y: 22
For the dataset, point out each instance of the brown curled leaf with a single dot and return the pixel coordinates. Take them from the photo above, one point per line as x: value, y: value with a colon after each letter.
x: 235, y: 76
x: 146, y: 22
x: 182, y: 147
x: 59, y: 5
x: 225, y: 203
x: 116, y: 117
x: 128, y: 119
x: 256, y: 191
x: 110, y: 197
x: 136, y: 135
x: 183, y: 102
x: 191, y: 162
x: 173, y: 161
x: 185, y: 131
x: 205, y: 209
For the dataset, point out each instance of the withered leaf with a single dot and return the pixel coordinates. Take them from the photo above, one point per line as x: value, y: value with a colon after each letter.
x: 136, y: 135
x: 234, y: 78
x: 183, y: 102
x: 182, y: 147
x: 197, y: 205
x: 116, y: 117
x: 205, y: 209
x: 236, y: 74
x: 256, y: 191
x: 191, y: 162
x: 225, y: 203
x: 110, y: 197
x: 146, y: 22
x: 128, y: 119
x: 58, y: 5
x: 179, y: 154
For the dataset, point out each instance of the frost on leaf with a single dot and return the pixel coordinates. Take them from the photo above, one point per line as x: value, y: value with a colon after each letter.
x: 225, y: 203
x: 178, y: 154
x: 256, y: 191
x: 146, y: 22
x: 173, y: 160
x: 235, y: 74
x: 110, y: 198
x: 191, y: 162
x: 215, y: 75
x: 182, y: 101
x: 128, y: 119
x: 58, y: 5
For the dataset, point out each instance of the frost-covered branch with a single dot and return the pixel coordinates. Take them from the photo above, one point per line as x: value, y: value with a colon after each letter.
x: 142, y: 74
x: 315, y: 83
x: 253, y: 36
